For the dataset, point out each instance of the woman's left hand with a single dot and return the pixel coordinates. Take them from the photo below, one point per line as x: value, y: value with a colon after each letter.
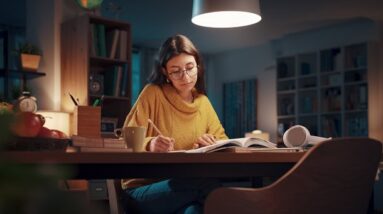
x: 204, y: 140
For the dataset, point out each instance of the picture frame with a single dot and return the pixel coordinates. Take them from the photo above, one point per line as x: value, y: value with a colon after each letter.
x: 108, y: 125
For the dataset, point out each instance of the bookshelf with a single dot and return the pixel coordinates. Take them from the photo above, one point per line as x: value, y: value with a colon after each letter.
x: 96, y: 62
x: 326, y: 91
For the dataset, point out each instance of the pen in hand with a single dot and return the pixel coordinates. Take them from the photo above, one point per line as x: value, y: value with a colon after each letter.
x: 155, y: 127
x: 160, y: 133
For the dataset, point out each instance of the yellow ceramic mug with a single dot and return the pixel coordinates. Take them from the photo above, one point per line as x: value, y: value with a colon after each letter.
x: 134, y: 137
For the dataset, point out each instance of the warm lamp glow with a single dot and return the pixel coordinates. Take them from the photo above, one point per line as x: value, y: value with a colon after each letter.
x: 226, y: 13
x: 56, y: 120
x: 226, y: 19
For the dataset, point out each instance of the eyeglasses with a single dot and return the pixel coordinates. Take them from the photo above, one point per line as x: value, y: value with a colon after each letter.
x: 177, y: 75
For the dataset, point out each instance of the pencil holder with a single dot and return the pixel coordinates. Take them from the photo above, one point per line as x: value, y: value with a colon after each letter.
x: 87, y: 121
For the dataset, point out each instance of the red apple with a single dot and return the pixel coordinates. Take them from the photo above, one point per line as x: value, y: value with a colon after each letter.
x: 47, y: 133
x: 51, y: 133
x: 59, y: 133
x: 27, y: 124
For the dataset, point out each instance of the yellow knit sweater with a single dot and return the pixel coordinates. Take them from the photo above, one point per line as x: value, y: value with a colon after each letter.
x: 174, y: 117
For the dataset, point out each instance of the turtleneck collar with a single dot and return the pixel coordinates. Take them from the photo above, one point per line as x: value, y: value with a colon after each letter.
x: 176, y: 100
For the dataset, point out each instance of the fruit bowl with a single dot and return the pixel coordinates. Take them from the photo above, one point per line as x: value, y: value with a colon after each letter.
x: 37, y: 144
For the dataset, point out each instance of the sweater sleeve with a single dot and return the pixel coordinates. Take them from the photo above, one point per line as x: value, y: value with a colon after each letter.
x: 139, y: 114
x: 214, y: 125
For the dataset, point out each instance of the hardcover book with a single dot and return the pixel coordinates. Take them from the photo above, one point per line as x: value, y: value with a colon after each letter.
x: 249, y: 142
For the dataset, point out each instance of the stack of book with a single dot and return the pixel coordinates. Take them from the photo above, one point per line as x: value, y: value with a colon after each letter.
x: 89, y: 144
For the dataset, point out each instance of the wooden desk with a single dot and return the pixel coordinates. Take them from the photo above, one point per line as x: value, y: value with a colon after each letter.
x: 161, y: 165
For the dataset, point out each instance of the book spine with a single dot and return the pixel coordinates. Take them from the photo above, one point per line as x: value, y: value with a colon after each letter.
x: 118, y: 79
x: 124, y: 80
x: 110, y: 76
x: 123, y: 45
x: 94, y: 40
x: 102, y: 39
x: 114, y: 43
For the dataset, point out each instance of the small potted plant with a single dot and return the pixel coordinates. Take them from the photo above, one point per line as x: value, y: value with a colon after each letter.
x: 30, y: 56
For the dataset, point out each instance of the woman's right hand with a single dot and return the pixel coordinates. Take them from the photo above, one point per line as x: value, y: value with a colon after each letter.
x: 161, y: 144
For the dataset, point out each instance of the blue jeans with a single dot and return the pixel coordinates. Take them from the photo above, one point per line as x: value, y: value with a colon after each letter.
x: 183, y: 195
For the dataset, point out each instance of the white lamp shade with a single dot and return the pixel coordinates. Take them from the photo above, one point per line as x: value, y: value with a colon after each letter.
x: 226, y: 13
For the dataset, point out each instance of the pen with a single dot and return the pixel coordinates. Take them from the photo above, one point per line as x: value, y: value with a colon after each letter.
x: 96, y: 102
x: 171, y: 148
x: 73, y: 100
x: 155, y: 127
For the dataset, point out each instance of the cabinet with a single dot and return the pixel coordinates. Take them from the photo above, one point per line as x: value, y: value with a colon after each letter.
x: 95, y: 63
x: 10, y: 91
x: 326, y: 91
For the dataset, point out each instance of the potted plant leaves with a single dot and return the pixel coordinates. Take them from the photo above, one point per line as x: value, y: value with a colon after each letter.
x: 30, y: 56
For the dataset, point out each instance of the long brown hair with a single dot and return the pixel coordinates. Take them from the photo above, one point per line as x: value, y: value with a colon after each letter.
x: 172, y: 47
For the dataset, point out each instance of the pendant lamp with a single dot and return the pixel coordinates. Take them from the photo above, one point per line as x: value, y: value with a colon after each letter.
x: 225, y: 13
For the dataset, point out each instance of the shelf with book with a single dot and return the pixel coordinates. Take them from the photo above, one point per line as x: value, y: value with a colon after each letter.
x: 331, y: 125
x: 356, y: 123
x: 330, y: 79
x: 286, y: 104
x: 286, y: 85
x: 96, y: 62
x: 331, y: 99
x: 286, y: 68
x: 309, y: 82
x: 327, y: 91
x: 355, y: 56
x: 352, y: 76
x: 307, y: 102
x: 331, y: 60
x: 310, y: 121
x: 307, y: 64
x: 356, y: 97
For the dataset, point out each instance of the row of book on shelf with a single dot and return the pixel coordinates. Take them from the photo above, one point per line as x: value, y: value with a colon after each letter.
x: 112, y: 81
x: 109, y: 43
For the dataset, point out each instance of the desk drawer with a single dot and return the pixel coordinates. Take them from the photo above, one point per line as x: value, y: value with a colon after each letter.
x: 98, y: 190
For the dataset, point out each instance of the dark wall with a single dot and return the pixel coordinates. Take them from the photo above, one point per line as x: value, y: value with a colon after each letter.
x: 12, y: 12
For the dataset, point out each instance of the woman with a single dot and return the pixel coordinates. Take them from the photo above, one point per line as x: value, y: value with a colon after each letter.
x: 176, y: 102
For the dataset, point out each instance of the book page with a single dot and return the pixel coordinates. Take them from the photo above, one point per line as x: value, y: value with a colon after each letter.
x: 220, y: 143
x: 230, y: 143
x: 253, y: 141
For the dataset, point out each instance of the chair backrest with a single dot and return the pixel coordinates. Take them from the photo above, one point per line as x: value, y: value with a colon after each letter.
x: 335, y: 176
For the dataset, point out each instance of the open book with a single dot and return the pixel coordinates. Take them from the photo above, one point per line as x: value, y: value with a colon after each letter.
x: 237, y: 142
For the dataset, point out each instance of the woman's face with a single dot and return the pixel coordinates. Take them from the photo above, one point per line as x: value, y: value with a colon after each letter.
x: 182, y: 71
